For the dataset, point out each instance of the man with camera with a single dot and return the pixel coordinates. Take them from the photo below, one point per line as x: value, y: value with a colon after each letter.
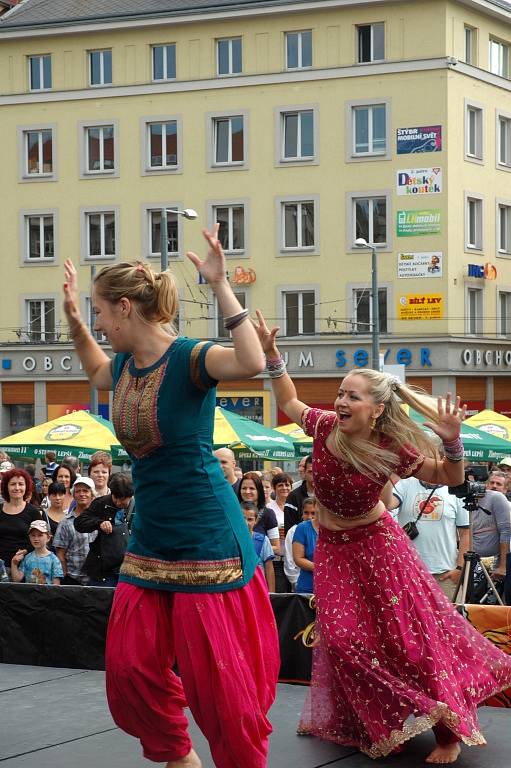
x: 491, y: 528
x: 437, y: 522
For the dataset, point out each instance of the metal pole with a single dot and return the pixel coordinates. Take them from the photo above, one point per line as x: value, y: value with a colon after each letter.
x: 375, y: 312
x: 94, y: 403
x: 164, y: 241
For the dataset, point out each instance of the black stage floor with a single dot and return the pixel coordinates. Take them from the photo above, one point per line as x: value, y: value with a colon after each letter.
x: 58, y: 718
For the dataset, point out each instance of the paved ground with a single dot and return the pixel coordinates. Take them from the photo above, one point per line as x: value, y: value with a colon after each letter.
x: 58, y: 718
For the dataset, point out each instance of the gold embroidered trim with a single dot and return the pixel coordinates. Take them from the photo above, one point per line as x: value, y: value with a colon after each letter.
x: 195, y: 373
x: 190, y: 572
x: 134, y: 411
x: 409, y: 470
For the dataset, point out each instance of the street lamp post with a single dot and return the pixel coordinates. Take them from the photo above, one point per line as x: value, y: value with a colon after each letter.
x: 361, y: 242
x: 188, y: 213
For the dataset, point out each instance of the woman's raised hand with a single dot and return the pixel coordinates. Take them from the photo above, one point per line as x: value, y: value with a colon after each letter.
x: 212, y: 268
x: 71, y: 296
x: 266, y: 337
x: 450, y: 416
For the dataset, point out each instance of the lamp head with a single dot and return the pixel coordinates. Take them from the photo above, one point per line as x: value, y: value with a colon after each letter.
x: 361, y: 242
x: 189, y: 213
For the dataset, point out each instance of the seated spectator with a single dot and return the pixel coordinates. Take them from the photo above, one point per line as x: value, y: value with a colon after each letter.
x: 251, y: 489
x: 67, y: 476
x: 16, y: 514
x: 55, y: 512
x: 107, y: 516
x: 51, y: 464
x: 40, y: 566
x: 100, y: 469
x: 71, y: 546
x: 262, y: 544
x: 290, y: 568
x: 304, y: 544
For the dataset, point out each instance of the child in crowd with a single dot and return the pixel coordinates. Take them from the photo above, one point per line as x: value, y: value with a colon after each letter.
x: 262, y: 544
x: 40, y: 566
x: 304, y: 543
x: 290, y: 568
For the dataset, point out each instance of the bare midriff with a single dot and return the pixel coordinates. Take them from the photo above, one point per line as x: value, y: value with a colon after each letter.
x: 333, y: 522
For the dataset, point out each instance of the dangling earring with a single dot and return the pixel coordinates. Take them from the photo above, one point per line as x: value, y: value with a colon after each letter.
x: 373, y: 422
x: 117, y: 328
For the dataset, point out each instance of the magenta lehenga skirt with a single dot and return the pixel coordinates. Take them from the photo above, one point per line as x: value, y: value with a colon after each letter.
x: 395, y: 657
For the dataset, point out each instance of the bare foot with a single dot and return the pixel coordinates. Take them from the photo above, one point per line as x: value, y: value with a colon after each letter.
x: 190, y: 761
x: 447, y: 754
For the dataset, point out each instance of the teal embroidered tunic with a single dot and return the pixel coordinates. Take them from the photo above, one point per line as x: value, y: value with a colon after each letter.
x: 189, y: 534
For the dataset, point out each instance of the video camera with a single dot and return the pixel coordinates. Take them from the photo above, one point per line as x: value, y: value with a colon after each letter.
x: 470, y: 491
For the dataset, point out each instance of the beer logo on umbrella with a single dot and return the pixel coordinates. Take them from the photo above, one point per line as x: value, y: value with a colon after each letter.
x: 63, y: 432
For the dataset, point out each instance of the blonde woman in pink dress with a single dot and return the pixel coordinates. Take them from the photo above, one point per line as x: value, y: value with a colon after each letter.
x: 394, y: 657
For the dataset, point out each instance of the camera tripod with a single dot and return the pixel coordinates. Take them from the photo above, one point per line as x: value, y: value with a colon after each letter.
x: 466, y: 582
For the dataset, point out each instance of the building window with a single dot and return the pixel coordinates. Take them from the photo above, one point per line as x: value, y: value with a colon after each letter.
x: 299, y: 49
x: 41, y: 319
x: 228, y: 140
x: 229, y: 56
x: 362, y: 310
x: 371, y: 42
x: 99, y: 148
x: 21, y: 417
x: 473, y: 132
x: 164, y: 62
x: 369, y: 130
x: 504, y: 141
x: 370, y: 219
x: 504, y: 228
x: 470, y: 45
x: 100, y: 67
x: 220, y: 331
x: 154, y: 229
x: 39, y: 72
x: 298, y: 225
x: 162, y: 145
x: 474, y: 312
x: 231, y: 233
x: 299, y: 313
x: 297, y: 131
x: 101, y: 236
x: 39, y: 238
x: 499, y: 58
x: 504, y: 319
x: 38, y: 153
x: 474, y: 225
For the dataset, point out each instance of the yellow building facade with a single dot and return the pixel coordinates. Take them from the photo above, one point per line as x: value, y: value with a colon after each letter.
x: 300, y: 127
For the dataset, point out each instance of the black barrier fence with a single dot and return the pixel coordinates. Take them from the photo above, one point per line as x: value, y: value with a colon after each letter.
x: 66, y: 627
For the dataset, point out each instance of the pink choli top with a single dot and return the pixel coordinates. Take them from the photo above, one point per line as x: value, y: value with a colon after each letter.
x: 338, y: 486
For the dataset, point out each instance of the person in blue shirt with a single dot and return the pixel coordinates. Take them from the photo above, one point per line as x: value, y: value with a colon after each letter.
x: 262, y: 545
x: 304, y: 544
x: 40, y: 566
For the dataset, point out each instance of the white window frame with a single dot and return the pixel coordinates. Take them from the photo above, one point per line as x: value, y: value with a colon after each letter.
x: 146, y: 212
x: 478, y: 321
x: 503, y: 221
x: 298, y: 250
x: 352, y: 288
x: 280, y: 114
x: 24, y: 216
x: 214, y: 329
x: 478, y: 201
x: 503, y: 50
x: 212, y: 119
x: 86, y: 307
x: 166, y: 77
x: 25, y: 314
x: 504, y: 291
x: 505, y: 116
x: 83, y: 127
x: 351, y: 156
x: 372, y: 25
x: 470, y: 45
x: 102, y: 52
x: 23, y: 174
x: 41, y: 57
x: 282, y: 291
x: 299, y: 34
x: 146, y: 169
x: 477, y: 156
x: 85, y: 212
x: 231, y: 203
x: 351, y: 198
x: 229, y: 41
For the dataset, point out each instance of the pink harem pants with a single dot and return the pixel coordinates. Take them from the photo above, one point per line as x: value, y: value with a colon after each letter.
x: 226, y: 648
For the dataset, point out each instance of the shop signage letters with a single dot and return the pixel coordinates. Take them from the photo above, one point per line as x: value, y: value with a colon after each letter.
x: 478, y: 357
x: 403, y: 356
x: 29, y: 363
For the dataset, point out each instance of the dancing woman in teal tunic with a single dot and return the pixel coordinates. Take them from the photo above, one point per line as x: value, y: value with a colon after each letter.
x: 189, y: 589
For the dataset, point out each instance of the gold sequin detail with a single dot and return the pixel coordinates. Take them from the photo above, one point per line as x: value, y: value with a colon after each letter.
x: 184, y: 572
x: 195, y: 374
